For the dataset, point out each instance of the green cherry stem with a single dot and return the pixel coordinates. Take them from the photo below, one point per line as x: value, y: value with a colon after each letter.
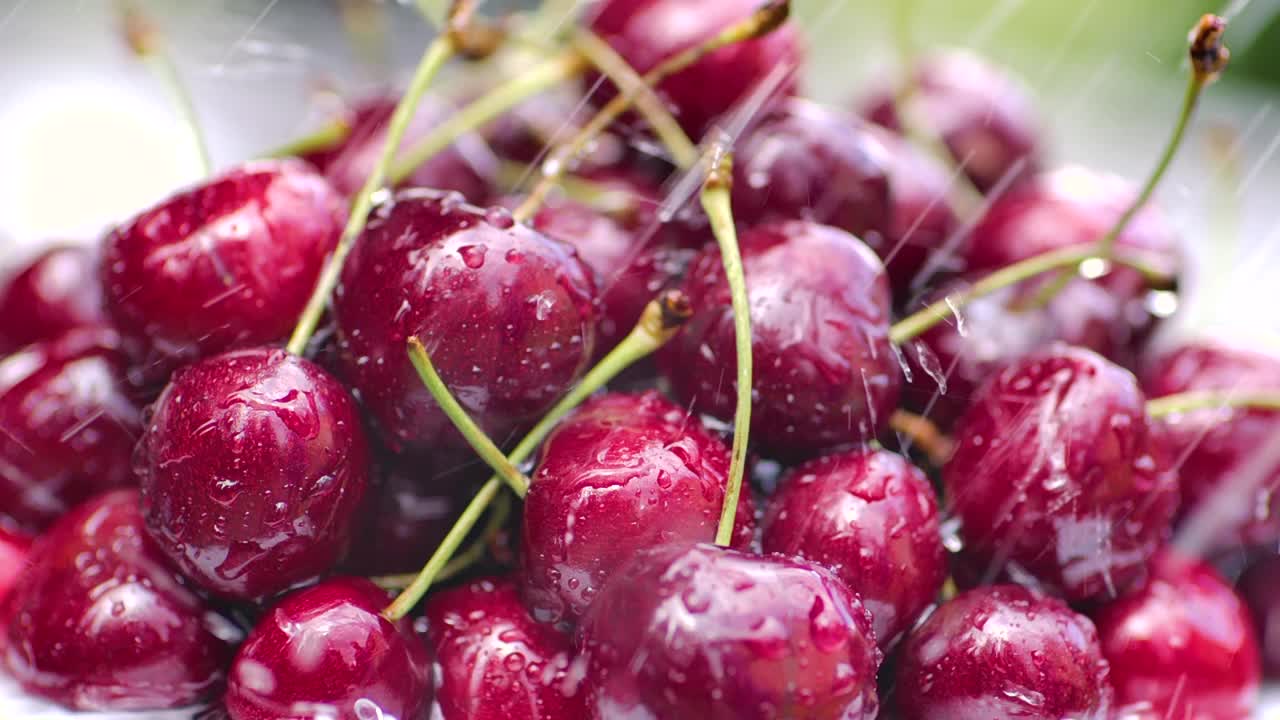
x: 1213, y: 400
x: 662, y: 317
x: 326, y: 137
x: 466, y: 558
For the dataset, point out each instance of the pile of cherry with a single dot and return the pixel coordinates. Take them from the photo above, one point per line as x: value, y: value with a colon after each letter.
x: 193, y: 513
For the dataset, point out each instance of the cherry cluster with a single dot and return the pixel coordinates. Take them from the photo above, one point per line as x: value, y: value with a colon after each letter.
x: 878, y: 430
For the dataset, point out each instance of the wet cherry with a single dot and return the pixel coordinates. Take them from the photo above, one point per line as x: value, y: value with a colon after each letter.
x: 54, y: 292
x: 15, y: 549
x: 1260, y: 588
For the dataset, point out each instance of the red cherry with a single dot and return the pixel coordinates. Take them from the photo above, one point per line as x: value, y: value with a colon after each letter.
x: 623, y: 473
x: 253, y: 468
x: 98, y: 621
x: 327, y: 650
x: 15, y: 549
x: 1260, y: 587
x: 56, y: 291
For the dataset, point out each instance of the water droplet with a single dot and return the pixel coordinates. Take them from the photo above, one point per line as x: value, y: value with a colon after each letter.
x: 473, y: 255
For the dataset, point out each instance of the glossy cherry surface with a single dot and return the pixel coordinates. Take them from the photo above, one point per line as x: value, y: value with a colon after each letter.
x: 326, y: 651
x: 824, y: 372
x: 506, y: 314
x: 872, y: 518
x: 253, y: 468
x: 1057, y: 478
x: 622, y: 474
x: 67, y: 426
x: 15, y: 549
x: 1260, y: 588
x: 495, y: 662
x: 54, y: 292
x: 708, y: 632
x: 99, y: 622
x: 228, y: 263
x: 1181, y: 646
x: 1003, y: 652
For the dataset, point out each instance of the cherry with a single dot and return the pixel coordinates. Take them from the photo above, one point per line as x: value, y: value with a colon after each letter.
x: 825, y: 373
x: 69, y: 425
x: 985, y: 115
x: 253, y: 467
x: 1003, y: 652
x: 1260, y: 587
x: 707, y: 632
x: 14, y: 551
x: 506, y: 314
x: 646, y: 32
x: 54, y: 292
x: 326, y: 651
x: 623, y: 473
x: 1057, y: 478
x: 98, y: 621
x: 871, y: 517
x: 228, y: 263
x: 495, y: 662
x: 1181, y: 646
x: 524, y: 133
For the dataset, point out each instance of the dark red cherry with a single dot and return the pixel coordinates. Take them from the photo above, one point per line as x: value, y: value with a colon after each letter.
x: 623, y: 473
x: 326, y: 651
x: 1181, y: 646
x: 646, y: 32
x: 1057, y: 479
x: 506, y: 313
x: 56, y: 291
x: 495, y: 662
x: 67, y: 426
x: 872, y: 518
x: 1260, y: 588
x: 824, y: 372
x: 253, y: 468
x: 708, y: 632
x: 1229, y: 477
x: 527, y: 132
x: 228, y: 263
x: 984, y: 114
x: 1003, y: 652
x: 805, y: 161
x: 98, y: 621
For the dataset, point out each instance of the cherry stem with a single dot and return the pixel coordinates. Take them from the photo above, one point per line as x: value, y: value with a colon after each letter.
x: 597, y: 196
x: 436, y: 55
x: 662, y: 317
x: 466, y: 558
x: 924, y: 434
x: 326, y: 137
x: 475, y: 437
x: 1213, y: 400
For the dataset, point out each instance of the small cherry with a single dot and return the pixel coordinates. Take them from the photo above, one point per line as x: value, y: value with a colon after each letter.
x: 623, y: 473
x: 709, y: 632
x: 872, y: 518
x: 54, y: 292
x: 495, y: 662
x: 98, y: 621
x: 326, y: 651
x: 253, y: 467
x: 1003, y: 652
x: 1260, y: 588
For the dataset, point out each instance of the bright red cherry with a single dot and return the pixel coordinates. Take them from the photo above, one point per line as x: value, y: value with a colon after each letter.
x: 506, y: 313
x: 708, y: 632
x: 253, y: 468
x: 623, y: 473
x: 56, y: 291
x: 825, y: 373
x: 1057, y: 478
x: 326, y: 651
x: 67, y: 426
x: 1260, y: 588
x: 1003, y: 652
x: 872, y: 518
x: 495, y: 662
x: 228, y: 263
x: 98, y: 621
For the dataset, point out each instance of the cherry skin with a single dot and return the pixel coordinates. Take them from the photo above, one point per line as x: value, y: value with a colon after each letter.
x: 328, y: 649
x: 253, y: 468
x: 709, y: 632
x: 1260, y: 588
x: 69, y: 426
x: 1182, y: 646
x: 506, y: 314
x: 872, y: 518
x: 646, y: 32
x: 495, y: 662
x: 98, y: 621
x: 54, y: 292
x: 824, y: 371
x: 1057, y: 478
x: 15, y: 549
x: 228, y: 263
x: 1003, y: 652
x: 623, y: 473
